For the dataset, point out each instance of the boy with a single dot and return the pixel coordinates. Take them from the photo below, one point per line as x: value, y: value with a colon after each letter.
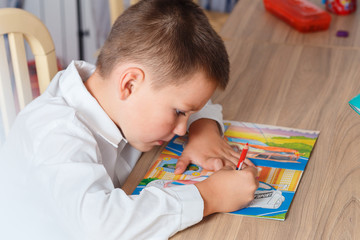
x: 71, y: 149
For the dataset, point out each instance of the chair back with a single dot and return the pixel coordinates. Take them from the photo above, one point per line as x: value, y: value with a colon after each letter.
x: 117, y: 7
x: 17, y: 25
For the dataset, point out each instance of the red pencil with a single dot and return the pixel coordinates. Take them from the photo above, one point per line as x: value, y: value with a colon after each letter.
x: 242, y: 156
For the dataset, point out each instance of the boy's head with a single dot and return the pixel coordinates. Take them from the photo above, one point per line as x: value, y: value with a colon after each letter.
x: 172, y: 38
x: 162, y: 62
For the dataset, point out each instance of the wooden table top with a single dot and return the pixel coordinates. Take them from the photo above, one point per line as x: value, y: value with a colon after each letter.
x: 249, y: 20
x: 285, y: 78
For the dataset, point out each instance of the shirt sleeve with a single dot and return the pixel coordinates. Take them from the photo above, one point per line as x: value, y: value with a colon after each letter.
x: 210, y: 111
x: 70, y: 170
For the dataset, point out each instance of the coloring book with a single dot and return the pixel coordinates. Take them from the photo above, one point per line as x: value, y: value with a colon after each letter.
x: 279, y: 153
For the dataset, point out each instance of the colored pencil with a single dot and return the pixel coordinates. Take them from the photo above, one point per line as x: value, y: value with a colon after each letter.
x: 242, y: 156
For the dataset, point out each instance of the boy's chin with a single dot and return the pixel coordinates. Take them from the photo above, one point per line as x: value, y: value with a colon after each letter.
x: 146, y: 146
x: 143, y: 147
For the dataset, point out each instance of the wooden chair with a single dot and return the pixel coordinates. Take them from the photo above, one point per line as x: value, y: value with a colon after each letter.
x: 18, y: 25
x: 117, y: 8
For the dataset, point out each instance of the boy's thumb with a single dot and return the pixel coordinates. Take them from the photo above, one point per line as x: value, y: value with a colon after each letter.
x: 227, y: 167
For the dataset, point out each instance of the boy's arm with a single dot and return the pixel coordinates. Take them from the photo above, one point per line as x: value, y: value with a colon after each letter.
x: 210, y: 111
x: 73, y: 174
x: 206, y: 146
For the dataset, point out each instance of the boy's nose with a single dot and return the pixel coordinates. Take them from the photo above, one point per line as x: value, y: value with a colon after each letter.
x: 180, y: 128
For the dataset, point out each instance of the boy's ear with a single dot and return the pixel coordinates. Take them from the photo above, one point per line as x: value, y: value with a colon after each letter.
x: 130, y: 81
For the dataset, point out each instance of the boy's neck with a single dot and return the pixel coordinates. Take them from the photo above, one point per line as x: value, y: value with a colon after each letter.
x: 102, y: 91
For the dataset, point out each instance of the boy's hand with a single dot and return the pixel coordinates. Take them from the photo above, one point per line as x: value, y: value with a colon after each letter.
x: 207, y: 148
x: 228, y: 190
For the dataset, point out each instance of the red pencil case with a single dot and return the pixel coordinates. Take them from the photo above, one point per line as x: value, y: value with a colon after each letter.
x: 300, y: 14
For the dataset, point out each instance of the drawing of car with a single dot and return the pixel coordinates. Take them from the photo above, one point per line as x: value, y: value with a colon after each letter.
x: 277, y: 154
x: 267, y: 197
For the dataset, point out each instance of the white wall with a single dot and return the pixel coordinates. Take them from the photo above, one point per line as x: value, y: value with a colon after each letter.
x: 96, y: 23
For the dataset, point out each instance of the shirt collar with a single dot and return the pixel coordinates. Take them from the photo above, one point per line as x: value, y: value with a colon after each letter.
x: 75, y: 93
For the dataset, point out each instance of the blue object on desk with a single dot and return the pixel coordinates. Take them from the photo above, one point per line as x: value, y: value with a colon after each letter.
x: 355, y: 103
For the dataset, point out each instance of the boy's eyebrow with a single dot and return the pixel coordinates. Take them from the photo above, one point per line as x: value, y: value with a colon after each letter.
x: 192, y: 107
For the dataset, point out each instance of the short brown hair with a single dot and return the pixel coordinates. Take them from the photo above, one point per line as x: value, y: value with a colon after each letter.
x: 172, y: 37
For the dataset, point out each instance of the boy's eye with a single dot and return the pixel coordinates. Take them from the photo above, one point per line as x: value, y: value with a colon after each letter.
x: 178, y: 112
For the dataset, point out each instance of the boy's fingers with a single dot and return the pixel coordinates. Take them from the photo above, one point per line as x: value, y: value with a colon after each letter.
x: 181, y: 165
x: 248, y: 162
x: 235, y: 154
x: 233, y: 159
x: 230, y: 164
x: 213, y: 164
x: 252, y: 169
x: 228, y: 167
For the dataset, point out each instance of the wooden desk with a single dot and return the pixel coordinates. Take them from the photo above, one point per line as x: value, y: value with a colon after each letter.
x: 249, y: 20
x: 300, y: 85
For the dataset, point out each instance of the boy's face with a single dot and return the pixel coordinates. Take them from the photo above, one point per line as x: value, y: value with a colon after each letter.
x: 154, y: 116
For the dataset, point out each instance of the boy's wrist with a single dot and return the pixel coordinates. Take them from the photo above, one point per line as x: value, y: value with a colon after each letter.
x: 204, y: 124
x: 205, y: 192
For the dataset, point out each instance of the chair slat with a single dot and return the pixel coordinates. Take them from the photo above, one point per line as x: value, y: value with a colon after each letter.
x: 20, y: 25
x: 7, y: 102
x: 21, y: 70
x: 46, y: 68
x: 116, y: 8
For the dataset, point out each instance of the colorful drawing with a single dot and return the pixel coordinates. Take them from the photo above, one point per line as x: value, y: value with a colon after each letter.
x: 267, y: 197
x: 268, y: 153
x: 280, y: 154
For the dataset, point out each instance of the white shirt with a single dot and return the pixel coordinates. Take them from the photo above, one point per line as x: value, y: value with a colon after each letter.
x: 62, y: 167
